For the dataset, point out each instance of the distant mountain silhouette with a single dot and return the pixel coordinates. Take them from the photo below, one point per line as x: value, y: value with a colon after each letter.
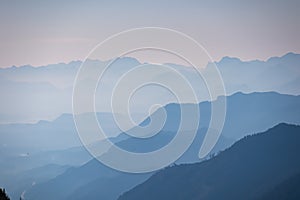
x: 249, y: 169
x: 51, y: 85
x: 245, y: 114
x: 51, y: 135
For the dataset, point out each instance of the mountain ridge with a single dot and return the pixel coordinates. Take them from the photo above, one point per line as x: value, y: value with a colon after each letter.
x: 246, y: 170
x: 79, y: 62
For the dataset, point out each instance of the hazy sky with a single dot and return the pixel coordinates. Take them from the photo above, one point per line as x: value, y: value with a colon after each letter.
x: 51, y: 31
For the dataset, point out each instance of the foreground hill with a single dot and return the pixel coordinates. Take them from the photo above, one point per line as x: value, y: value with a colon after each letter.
x: 250, y: 169
x: 288, y: 189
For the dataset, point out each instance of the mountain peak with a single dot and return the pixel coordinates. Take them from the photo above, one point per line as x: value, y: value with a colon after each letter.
x: 287, y: 56
x: 127, y: 61
x: 228, y: 60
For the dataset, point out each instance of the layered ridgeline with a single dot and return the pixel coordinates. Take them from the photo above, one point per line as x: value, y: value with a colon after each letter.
x: 247, y: 114
x: 46, y: 91
x: 260, y: 166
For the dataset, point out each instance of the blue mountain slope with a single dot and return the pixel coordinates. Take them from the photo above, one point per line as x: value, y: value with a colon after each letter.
x: 246, y: 113
x: 287, y: 189
x: 46, y: 91
x: 247, y: 170
x: 28, y: 178
x: 266, y: 110
x: 50, y: 135
x: 105, y: 182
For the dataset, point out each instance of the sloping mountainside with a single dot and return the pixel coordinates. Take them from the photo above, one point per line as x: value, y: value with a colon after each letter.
x: 17, y: 185
x: 90, y: 181
x: 250, y: 169
x: 49, y: 135
x: 247, y: 113
x: 94, y: 180
x: 288, y: 189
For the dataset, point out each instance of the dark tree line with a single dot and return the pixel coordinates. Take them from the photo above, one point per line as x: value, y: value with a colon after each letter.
x: 3, y: 195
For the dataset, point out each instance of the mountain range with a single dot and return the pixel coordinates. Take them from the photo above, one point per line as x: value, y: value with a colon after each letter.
x: 38, y: 93
x: 260, y: 166
x: 246, y: 114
